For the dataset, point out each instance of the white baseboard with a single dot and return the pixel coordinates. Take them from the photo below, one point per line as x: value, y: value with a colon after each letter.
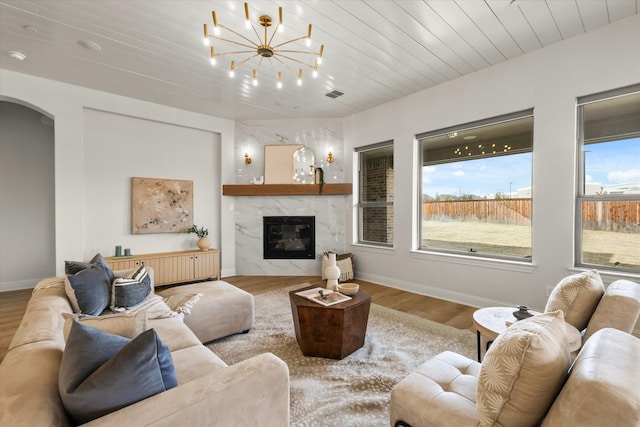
x: 18, y: 285
x: 444, y: 294
x: 228, y: 272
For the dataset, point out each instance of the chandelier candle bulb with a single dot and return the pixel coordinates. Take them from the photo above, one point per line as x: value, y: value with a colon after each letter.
x: 280, y: 25
x: 206, y: 35
x: 213, y: 56
x: 247, y: 23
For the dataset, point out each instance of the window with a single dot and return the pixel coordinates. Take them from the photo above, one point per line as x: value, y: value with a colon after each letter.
x: 608, y: 202
x: 375, y: 204
x: 476, y: 188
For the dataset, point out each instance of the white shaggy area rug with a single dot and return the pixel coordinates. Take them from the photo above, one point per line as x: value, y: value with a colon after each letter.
x: 353, y: 391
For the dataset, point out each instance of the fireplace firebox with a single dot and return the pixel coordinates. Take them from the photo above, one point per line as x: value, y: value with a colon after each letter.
x: 289, y: 237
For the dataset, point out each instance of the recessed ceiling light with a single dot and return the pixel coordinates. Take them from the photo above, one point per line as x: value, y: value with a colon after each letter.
x: 17, y: 55
x: 88, y: 44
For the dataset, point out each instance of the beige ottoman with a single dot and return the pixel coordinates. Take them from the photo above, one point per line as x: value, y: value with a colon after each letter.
x: 222, y: 310
x: 441, y: 392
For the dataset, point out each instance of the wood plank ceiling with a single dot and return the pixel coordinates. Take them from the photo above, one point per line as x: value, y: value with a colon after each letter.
x: 375, y: 51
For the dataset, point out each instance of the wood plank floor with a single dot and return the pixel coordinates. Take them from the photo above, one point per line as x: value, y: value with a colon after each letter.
x: 13, y: 303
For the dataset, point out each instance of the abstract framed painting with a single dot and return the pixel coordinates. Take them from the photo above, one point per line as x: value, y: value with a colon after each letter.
x: 161, y: 205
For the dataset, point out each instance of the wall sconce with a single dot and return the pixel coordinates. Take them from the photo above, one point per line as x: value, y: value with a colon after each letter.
x: 330, y: 158
x: 247, y: 159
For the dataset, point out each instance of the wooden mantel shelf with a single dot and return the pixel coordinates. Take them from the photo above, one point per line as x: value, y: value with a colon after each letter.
x: 286, y: 189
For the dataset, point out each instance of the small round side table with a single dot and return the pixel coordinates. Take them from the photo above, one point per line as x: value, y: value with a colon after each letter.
x: 491, y: 321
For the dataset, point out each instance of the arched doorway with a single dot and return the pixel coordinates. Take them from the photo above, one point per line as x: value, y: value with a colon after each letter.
x: 27, y: 196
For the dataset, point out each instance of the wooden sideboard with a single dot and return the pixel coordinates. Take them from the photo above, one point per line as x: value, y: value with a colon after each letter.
x: 174, y: 267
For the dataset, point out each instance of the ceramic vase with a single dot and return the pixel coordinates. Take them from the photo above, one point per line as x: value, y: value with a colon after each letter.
x: 204, y: 244
x: 332, y: 273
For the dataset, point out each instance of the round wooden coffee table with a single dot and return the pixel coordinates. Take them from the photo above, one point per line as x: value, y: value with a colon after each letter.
x: 490, y: 322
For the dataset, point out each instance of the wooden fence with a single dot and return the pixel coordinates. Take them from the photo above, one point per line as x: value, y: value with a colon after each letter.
x: 601, y: 215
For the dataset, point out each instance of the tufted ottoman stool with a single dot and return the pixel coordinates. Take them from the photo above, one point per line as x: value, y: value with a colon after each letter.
x: 222, y: 310
x: 444, y: 388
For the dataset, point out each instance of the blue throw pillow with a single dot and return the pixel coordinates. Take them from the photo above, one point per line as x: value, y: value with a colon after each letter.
x: 128, y: 292
x: 101, y: 372
x: 89, y: 290
x: 73, y: 267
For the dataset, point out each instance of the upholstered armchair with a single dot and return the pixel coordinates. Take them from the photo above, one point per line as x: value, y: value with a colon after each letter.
x: 527, y: 377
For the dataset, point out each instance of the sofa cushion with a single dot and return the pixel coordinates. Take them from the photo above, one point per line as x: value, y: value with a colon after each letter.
x: 89, y: 290
x: 523, y: 371
x: 73, y: 267
x: 102, y: 372
x: 577, y: 296
x: 127, y: 292
x: 603, y: 387
x: 128, y: 325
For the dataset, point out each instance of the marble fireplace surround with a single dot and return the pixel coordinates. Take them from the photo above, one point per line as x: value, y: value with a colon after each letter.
x: 321, y: 135
x: 330, y: 213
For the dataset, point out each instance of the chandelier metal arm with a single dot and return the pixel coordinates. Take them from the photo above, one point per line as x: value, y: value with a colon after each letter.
x: 245, y: 60
x: 298, y: 51
x: 237, y: 34
x: 290, y: 41
x: 236, y: 52
x: 285, y: 65
x: 275, y: 31
x: 252, y: 47
x: 293, y: 60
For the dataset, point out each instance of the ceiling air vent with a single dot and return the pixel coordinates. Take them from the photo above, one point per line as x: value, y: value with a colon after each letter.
x: 334, y: 93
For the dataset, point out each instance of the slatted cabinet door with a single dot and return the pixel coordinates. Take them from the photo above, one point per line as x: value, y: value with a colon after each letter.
x: 204, y: 264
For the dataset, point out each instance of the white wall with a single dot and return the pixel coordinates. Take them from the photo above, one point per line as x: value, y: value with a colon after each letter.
x: 27, y: 235
x: 119, y: 147
x: 547, y: 80
x: 101, y: 141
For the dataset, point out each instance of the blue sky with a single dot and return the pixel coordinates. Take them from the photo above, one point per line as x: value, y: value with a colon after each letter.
x: 606, y: 163
x: 613, y: 163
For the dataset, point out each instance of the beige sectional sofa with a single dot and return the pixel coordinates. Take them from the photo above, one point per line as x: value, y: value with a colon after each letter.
x: 209, y: 393
x: 529, y: 376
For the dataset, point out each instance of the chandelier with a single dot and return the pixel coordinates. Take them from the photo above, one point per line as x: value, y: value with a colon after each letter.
x: 278, y: 54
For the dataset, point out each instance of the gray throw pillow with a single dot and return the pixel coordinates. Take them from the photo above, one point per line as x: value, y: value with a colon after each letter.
x: 89, y: 290
x: 73, y: 267
x: 101, y: 372
x: 127, y: 292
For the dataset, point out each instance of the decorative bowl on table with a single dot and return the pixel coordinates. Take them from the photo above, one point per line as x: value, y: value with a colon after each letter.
x: 348, y: 288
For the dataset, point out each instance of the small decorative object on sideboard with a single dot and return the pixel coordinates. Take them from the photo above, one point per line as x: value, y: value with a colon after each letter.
x: 522, y: 312
x: 202, y: 233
